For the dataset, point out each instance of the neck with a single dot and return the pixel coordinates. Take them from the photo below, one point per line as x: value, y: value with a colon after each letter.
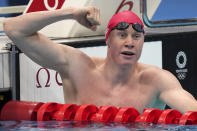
x: 119, y: 74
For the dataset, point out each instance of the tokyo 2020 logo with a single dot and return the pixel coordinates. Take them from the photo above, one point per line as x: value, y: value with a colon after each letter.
x: 181, y: 62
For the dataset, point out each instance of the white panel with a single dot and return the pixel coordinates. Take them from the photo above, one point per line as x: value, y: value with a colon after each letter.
x: 28, y: 83
x: 152, y: 53
x: 1, y: 71
x: 99, y: 51
x: 4, y: 62
x: 6, y: 70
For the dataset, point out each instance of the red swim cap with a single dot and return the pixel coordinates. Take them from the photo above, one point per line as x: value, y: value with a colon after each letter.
x: 124, y: 16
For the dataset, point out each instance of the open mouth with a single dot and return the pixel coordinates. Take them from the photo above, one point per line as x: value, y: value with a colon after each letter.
x: 127, y: 53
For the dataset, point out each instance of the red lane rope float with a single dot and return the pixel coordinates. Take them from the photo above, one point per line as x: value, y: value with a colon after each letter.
x: 85, y: 112
x: 24, y: 110
x: 189, y: 118
x: 149, y: 116
x: 126, y: 114
x: 48, y: 111
x: 169, y: 116
x: 67, y: 112
x: 20, y: 110
x: 105, y: 114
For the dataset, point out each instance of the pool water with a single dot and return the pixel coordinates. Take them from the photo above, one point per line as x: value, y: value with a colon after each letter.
x: 87, y: 126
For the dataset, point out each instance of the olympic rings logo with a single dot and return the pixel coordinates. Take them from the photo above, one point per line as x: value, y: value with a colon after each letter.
x: 181, y: 76
x: 47, y: 84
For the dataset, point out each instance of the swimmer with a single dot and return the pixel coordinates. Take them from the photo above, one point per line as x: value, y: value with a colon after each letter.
x: 118, y: 80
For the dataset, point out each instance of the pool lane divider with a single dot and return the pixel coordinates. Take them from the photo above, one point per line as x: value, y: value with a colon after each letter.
x: 38, y: 111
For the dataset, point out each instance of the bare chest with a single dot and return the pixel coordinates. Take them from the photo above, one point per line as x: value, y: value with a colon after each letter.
x: 92, y: 88
x: 101, y: 93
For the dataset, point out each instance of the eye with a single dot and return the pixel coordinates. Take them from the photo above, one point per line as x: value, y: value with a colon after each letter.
x: 137, y: 35
x: 122, y: 34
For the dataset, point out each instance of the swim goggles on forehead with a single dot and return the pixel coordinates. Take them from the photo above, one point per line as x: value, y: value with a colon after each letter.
x: 124, y: 25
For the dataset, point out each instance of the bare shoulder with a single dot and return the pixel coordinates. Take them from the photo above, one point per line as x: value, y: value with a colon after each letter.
x: 158, y: 77
x: 152, y: 71
x: 98, y: 60
x: 148, y: 72
x: 76, y: 61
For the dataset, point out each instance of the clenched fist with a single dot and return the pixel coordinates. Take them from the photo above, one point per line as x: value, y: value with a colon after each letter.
x: 88, y: 17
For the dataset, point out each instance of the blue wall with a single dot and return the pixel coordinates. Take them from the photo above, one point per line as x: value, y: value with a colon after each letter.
x: 176, y: 9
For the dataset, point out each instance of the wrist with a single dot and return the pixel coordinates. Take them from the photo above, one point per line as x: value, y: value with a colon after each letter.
x: 66, y: 13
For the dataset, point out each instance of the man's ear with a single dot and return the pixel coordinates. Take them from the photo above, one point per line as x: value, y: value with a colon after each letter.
x: 108, y: 43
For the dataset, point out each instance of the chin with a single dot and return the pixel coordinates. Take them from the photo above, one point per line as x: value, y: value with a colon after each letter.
x: 128, y: 64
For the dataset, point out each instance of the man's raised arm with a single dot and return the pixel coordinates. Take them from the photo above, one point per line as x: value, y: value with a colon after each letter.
x: 23, y: 31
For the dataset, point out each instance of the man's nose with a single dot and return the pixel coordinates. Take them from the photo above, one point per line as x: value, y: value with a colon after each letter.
x: 129, y: 42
